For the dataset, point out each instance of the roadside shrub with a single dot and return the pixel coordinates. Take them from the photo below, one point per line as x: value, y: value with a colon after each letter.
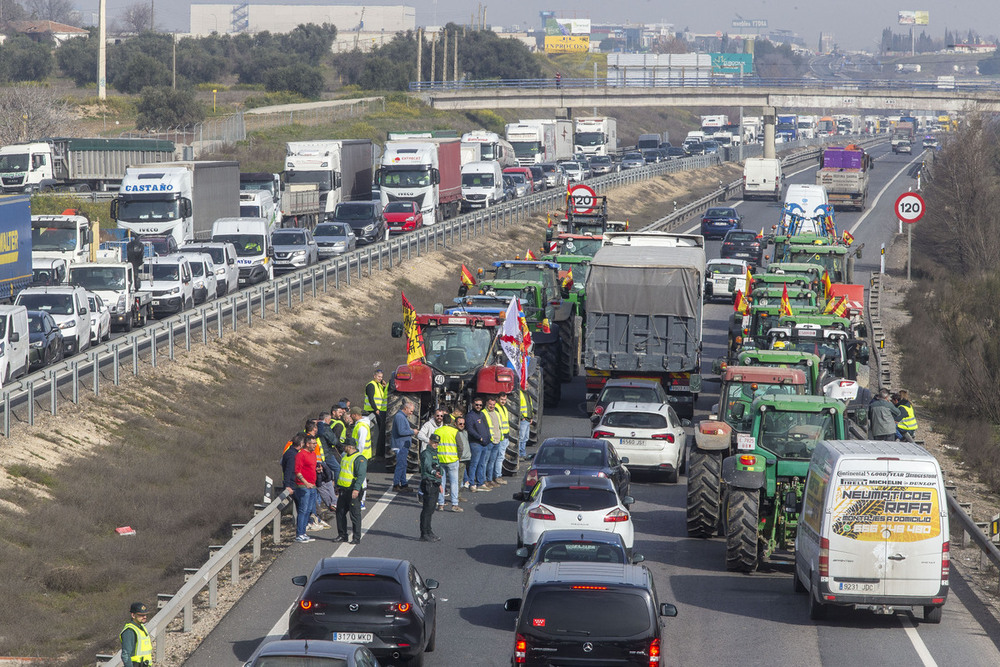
x: 164, y: 107
x: 302, y: 79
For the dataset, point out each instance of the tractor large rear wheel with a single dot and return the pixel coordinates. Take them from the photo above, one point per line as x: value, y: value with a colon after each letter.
x: 704, y: 498
x: 536, y: 390
x: 549, y: 359
x: 567, y: 349
x: 742, y: 529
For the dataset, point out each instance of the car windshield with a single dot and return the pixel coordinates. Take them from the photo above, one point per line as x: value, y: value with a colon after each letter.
x: 822, y: 348
x: 197, y: 268
x: 14, y: 163
x: 331, y: 229
x: 34, y: 323
x: 600, y: 159
x: 456, y: 350
x: 589, y: 138
x: 476, y: 181
x: 727, y: 269
x: 635, y: 420
x: 571, y: 166
x: 518, y: 179
x: 719, y: 213
x: 794, y: 434
x: 406, y: 178
x: 580, y: 271
x: 408, y: 206
x: 250, y: 211
x: 580, y: 552
x: 166, y: 272
x: 741, y: 237
x: 52, y: 238
x: 57, y: 304
x: 93, y: 303
x: 580, y: 499
x: 161, y: 246
x: 584, y: 613
x: 518, y: 272
x: 145, y: 210
x: 563, y: 455
x: 218, y: 255
x: 288, y: 238
x: 632, y: 156
x: 334, y: 588
x: 587, y: 247
x: 630, y: 395
x: 351, y: 212
x: 745, y: 392
x: 830, y: 261
x: 247, y: 245
x: 795, y: 300
x: 95, y: 278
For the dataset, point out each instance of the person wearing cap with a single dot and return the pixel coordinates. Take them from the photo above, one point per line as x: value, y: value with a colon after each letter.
x: 305, y: 488
x: 430, y: 486
x: 376, y: 404
x: 137, y: 647
x: 350, y: 484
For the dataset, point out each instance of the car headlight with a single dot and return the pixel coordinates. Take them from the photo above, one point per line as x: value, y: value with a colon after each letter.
x: 38, y: 344
x: 68, y: 324
x: 221, y: 271
x: 199, y: 283
x: 174, y: 290
x: 299, y: 253
x: 370, y: 228
x: 121, y: 303
x: 340, y: 244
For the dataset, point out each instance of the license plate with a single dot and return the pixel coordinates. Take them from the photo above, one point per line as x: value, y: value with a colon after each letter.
x: 745, y: 441
x: 679, y: 387
x: 859, y: 588
x: 631, y: 442
x: 156, y: 302
x: 353, y: 637
x: 742, y: 254
x: 241, y: 281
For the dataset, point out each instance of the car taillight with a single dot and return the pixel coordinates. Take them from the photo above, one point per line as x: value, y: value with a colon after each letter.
x: 599, y: 410
x: 308, y: 606
x: 531, y: 478
x: 411, y: 218
x: 520, y: 650
x: 824, y: 557
x: 615, y: 516
x: 399, y: 607
x: 654, y: 652
x: 603, y: 434
x: 404, y: 375
x: 945, y: 563
x: 669, y: 437
x: 542, y: 512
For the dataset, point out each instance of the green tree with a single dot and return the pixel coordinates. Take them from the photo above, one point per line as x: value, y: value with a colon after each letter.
x: 23, y: 59
x: 162, y: 106
x: 310, y: 41
x: 77, y: 58
x: 302, y: 79
x: 141, y: 71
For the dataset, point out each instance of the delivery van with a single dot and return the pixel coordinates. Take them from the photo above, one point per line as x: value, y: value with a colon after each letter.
x: 762, y: 178
x: 873, y: 531
x: 14, y: 342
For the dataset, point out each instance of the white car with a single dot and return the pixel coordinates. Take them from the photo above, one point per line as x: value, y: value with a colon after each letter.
x: 100, y: 319
x: 725, y: 277
x: 69, y: 308
x: 574, y: 502
x: 203, y: 272
x: 651, y: 435
x: 574, y: 171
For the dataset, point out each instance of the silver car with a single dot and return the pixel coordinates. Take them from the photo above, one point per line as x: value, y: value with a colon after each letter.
x: 293, y: 249
x: 554, y: 175
x: 633, y: 161
x: 334, y: 238
x: 521, y: 184
x: 575, y: 171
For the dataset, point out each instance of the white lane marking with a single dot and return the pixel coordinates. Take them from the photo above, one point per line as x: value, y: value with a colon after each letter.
x: 918, y: 644
x: 871, y: 207
x: 368, y: 520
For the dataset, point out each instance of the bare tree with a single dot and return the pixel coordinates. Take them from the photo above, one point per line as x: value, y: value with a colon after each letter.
x: 27, y: 113
x: 11, y: 10
x: 136, y: 18
x: 60, y: 11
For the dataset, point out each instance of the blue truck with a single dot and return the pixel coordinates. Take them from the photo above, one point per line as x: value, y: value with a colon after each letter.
x: 15, y: 245
x: 787, y: 127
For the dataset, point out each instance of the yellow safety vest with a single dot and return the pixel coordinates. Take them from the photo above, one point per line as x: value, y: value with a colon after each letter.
x: 381, y: 397
x: 346, y: 477
x: 143, y: 644
x: 493, y: 421
x: 504, y: 421
x: 448, y: 447
x: 909, y: 421
x: 525, y: 405
x: 365, y: 449
x: 343, y: 430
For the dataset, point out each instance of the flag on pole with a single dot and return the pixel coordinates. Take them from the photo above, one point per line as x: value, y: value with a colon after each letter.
x: 848, y: 237
x: 827, y: 285
x: 786, y: 305
x: 414, y: 338
x: 567, y: 281
x: 840, y: 310
x: 513, y: 343
x: 740, y: 303
x: 467, y: 278
x: 529, y: 255
x: 548, y: 219
x: 749, y: 281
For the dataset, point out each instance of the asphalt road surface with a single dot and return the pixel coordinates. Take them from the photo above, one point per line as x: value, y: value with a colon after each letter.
x: 724, y: 618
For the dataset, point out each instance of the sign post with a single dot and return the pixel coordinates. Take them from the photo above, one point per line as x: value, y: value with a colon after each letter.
x: 910, y: 207
x: 582, y: 199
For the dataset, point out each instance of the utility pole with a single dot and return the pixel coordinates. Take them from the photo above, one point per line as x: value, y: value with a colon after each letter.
x: 152, y: 14
x: 434, y: 40
x: 173, y: 83
x: 102, y: 51
x: 420, y: 54
x: 444, y: 56
x: 456, y: 57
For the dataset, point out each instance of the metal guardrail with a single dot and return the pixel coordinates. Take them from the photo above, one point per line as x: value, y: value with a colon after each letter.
x: 878, y: 331
x: 972, y: 530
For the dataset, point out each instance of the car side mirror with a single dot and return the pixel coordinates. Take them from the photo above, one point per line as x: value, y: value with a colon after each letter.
x: 523, y: 552
x: 231, y: 261
x: 431, y: 584
x: 624, y: 460
x: 397, y: 329
x: 667, y: 609
x: 82, y: 311
x: 300, y: 580
x: 864, y: 355
x: 628, y: 500
x: 686, y: 422
x: 15, y: 336
x: 520, y: 496
x: 513, y: 604
x: 638, y: 558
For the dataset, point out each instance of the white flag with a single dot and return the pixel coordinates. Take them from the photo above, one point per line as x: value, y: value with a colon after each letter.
x: 512, y: 341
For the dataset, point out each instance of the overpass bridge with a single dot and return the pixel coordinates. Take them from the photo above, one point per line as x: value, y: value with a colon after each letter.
x: 859, y: 95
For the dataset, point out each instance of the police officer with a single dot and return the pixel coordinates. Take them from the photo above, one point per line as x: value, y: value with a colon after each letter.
x: 137, y: 647
x: 376, y: 403
x: 430, y: 486
x: 350, y: 481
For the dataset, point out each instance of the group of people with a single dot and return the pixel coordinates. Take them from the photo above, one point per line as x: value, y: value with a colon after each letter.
x: 891, y: 416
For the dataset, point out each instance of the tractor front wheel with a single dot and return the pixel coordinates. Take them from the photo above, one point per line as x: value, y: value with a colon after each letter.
x: 742, y: 529
x: 704, y: 499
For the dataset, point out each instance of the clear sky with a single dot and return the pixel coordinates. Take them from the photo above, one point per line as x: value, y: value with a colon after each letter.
x: 856, y: 24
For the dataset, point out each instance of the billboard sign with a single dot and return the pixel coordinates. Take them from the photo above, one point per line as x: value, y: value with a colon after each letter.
x: 750, y: 23
x: 557, y: 26
x: 567, y: 43
x: 732, y: 63
x: 907, y: 17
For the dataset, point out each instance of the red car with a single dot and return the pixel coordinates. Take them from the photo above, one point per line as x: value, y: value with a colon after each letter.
x: 403, y: 216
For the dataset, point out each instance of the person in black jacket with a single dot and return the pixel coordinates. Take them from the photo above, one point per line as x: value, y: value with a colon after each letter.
x: 479, y: 442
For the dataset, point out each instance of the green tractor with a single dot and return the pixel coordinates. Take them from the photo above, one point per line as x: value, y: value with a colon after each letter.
x: 770, y: 295
x: 805, y: 362
x: 837, y: 260
x: 751, y: 330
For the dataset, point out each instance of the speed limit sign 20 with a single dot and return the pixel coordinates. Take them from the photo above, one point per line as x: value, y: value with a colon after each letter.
x: 910, y: 207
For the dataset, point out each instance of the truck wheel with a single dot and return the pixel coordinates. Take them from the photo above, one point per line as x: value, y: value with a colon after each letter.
x: 510, y: 463
x: 932, y: 614
x: 704, y: 470
x: 536, y: 390
x: 548, y: 356
x: 742, y: 534
x: 567, y: 350
x: 130, y: 321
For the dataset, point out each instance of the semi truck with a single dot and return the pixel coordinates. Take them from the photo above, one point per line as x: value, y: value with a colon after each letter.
x: 180, y: 199
x: 713, y: 123
x: 428, y: 172
x: 15, y: 245
x: 483, y: 146
x: 68, y: 236
x: 540, y: 140
x: 341, y: 169
x: 596, y: 135
x: 787, y: 127
x: 645, y: 313
x: 80, y: 165
x: 844, y: 174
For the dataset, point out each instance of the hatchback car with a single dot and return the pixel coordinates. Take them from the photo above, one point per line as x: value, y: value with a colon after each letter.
x: 365, y: 218
x: 718, y: 220
x: 903, y: 147
x: 46, y: 340
x: 651, y: 433
x: 573, y: 502
x: 575, y: 171
x: 529, y: 178
x: 334, y: 238
x: 635, y: 390
x: 203, y: 272
x: 710, y: 147
x: 577, y: 456
x: 403, y: 216
x: 633, y: 161
x: 521, y: 186
x: 315, y: 653
x: 725, y: 277
x: 576, y: 546
x: 381, y: 603
x: 293, y: 249
x: 743, y: 244
x: 100, y: 319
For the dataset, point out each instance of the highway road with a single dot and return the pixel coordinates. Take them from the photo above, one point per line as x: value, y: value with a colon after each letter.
x: 724, y: 618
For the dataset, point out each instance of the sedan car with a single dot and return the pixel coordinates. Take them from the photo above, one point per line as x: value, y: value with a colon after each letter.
x: 578, y: 456
x: 903, y: 147
x: 334, y: 238
x: 743, y: 244
x: 46, y: 340
x: 634, y: 389
x: 573, y: 502
x: 575, y: 171
x: 602, y: 164
x: 316, y: 653
x: 381, y: 603
x: 718, y: 220
x: 651, y: 433
x: 725, y: 277
x: 576, y: 546
x: 676, y: 153
x: 521, y: 186
x: 100, y: 319
x: 403, y: 216
x: 652, y: 155
x: 633, y: 161
x: 293, y: 249
x: 365, y: 218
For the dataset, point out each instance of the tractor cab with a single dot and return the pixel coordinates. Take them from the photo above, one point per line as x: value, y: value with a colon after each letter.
x: 770, y: 295
x: 742, y: 385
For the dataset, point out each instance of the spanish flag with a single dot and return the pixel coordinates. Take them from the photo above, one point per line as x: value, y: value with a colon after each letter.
x: 749, y: 281
x: 529, y: 255
x: 467, y: 278
x: 786, y: 305
x: 848, y: 237
x: 740, y: 303
x: 827, y: 285
x: 414, y: 338
x: 548, y: 219
x: 567, y: 282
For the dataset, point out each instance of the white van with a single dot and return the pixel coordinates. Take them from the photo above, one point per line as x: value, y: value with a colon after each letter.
x: 227, y: 273
x: 258, y: 204
x: 46, y: 271
x: 15, y: 342
x: 482, y: 184
x: 873, y: 531
x: 762, y: 177
x: 252, y: 239
x: 171, y: 283
x: 808, y: 203
x: 70, y: 309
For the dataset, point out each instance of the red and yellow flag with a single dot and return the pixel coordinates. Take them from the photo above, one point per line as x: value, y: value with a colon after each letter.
x: 827, y: 285
x: 841, y: 308
x: 567, y: 281
x: 467, y: 278
x: 786, y: 305
x: 548, y: 219
x: 546, y: 327
x: 529, y: 255
x: 749, y: 281
x: 848, y: 237
x: 414, y: 337
x: 740, y: 303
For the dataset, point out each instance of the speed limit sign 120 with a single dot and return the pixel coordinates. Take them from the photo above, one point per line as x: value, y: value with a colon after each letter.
x: 910, y: 207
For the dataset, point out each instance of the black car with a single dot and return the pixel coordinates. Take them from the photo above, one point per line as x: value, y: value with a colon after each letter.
x: 676, y: 153
x: 589, y: 614
x: 319, y: 653
x: 578, y: 456
x: 539, y: 177
x: 743, y: 244
x: 381, y: 603
x: 652, y: 155
x: 576, y: 546
x: 46, y: 340
x: 364, y: 217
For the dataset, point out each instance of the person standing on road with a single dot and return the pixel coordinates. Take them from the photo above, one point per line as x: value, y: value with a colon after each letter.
x: 402, y: 438
x: 350, y: 484
x: 288, y: 463
x: 137, y: 647
x: 430, y: 486
x: 508, y: 422
x: 361, y: 435
x: 447, y: 453
x: 338, y: 425
x: 908, y: 424
x: 526, y: 410
x: 882, y: 416
x: 479, y: 442
x: 431, y: 425
x: 305, y: 487
x: 464, y: 453
x: 494, y: 422
x: 376, y: 403
x: 328, y: 441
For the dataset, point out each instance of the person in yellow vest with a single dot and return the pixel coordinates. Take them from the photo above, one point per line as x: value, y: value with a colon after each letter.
x: 377, y: 403
x: 362, y: 436
x: 526, y: 410
x: 447, y: 452
x: 505, y: 428
x: 350, y: 484
x: 907, y: 426
x: 137, y: 646
x: 494, y: 420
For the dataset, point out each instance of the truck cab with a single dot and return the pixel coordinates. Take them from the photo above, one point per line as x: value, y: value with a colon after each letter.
x: 156, y: 200
x: 259, y: 204
x: 67, y: 236
x: 47, y: 272
x: 252, y: 239
x: 118, y: 285
x: 25, y: 166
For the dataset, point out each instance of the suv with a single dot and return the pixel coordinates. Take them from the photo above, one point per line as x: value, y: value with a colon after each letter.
x: 70, y: 309
x: 592, y: 613
x: 227, y: 272
x: 364, y: 217
x: 293, y: 249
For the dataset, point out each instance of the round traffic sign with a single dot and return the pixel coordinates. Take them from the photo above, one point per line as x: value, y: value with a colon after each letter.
x: 582, y: 198
x: 910, y: 207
